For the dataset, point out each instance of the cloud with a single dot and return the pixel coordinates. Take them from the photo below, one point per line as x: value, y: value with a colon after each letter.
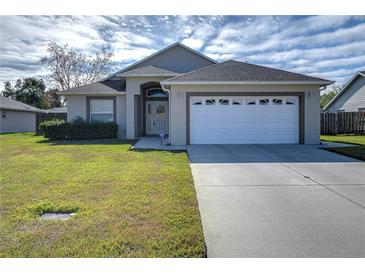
x: 325, y: 46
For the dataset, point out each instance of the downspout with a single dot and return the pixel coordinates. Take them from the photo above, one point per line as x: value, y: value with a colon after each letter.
x: 167, y: 88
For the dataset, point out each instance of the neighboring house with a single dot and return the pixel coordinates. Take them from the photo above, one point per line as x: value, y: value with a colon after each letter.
x: 17, y: 116
x: 196, y: 100
x: 351, y: 97
x: 57, y: 110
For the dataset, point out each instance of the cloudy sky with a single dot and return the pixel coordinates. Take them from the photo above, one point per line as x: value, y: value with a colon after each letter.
x: 332, y: 47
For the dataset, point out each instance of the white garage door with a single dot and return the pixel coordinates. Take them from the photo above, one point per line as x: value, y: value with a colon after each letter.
x: 244, y: 120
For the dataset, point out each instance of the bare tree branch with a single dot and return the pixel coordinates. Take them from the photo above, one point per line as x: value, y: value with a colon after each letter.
x: 70, y: 68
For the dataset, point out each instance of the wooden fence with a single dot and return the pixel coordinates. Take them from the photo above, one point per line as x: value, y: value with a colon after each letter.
x: 41, y: 117
x: 343, y: 123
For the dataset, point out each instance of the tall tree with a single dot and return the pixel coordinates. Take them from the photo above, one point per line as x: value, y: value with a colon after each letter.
x: 29, y: 91
x: 327, y: 96
x: 71, y: 68
x: 9, y: 90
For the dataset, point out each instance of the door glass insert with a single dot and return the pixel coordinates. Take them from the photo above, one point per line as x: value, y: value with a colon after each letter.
x: 156, y: 92
x: 160, y: 112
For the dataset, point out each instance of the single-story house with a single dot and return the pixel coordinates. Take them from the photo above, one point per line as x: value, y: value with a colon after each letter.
x: 17, y: 116
x: 196, y: 100
x: 57, y: 110
x: 351, y: 97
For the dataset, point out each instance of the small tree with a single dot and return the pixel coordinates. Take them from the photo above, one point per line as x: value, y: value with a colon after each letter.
x: 330, y: 94
x: 70, y: 68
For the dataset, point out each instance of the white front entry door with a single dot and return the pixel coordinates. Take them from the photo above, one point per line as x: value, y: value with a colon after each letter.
x: 244, y: 120
x: 157, y: 119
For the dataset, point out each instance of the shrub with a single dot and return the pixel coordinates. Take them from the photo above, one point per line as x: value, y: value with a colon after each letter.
x: 78, y: 130
x: 54, y: 129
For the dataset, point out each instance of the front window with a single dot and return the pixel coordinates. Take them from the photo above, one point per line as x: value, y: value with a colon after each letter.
x: 101, y: 110
x: 156, y: 92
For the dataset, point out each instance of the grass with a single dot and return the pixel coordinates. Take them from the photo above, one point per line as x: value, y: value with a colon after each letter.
x: 342, y: 138
x: 357, y: 152
x: 127, y: 204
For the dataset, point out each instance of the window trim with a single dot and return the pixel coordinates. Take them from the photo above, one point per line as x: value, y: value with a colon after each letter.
x: 89, y: 98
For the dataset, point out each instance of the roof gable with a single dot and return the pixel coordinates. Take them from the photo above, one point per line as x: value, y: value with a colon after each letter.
x: 235, y: 71
x: 149, y: 71
x: 176, y: 57
x: 349, y: 83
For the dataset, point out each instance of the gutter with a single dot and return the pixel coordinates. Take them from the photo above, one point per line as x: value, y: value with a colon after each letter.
x: 322, y: 83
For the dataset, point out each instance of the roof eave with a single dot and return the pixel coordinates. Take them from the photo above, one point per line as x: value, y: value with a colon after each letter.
x: 92, y: 93
x: 24, y: 110
x: 150, y: 75
x: 321, y: 83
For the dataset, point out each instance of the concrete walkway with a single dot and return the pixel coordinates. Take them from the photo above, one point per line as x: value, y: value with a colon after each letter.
x: 279, y: 201
x: 154, y: 143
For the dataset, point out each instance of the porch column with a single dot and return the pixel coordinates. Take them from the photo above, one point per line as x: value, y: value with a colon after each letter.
x: 130, y: 115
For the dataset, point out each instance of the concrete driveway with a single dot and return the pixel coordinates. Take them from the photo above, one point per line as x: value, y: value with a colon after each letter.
x: 279, y: 201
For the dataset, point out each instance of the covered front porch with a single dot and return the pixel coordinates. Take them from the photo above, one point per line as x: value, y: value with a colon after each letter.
x: 147, y: 104
x: 151, y: 110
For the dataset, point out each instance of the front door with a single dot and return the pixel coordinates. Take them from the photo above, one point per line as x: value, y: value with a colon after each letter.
x: 157, y: 117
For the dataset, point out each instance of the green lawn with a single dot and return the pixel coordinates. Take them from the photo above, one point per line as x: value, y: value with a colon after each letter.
x: 342, y: 138
x: 127, y: 203
x: 355, y: 151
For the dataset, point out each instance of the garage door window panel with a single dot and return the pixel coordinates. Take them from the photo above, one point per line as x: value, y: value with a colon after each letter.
x: 210, y: 102
x: 224, y: 102
x: 290, y: 101
x: 264, y: 101
x: 237, y: 102
x: 250, y: 101
x: 277, y: 101
x: 197, y: 102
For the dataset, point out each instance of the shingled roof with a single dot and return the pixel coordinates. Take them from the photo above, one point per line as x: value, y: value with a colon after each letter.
x: 149, y: 71
x: 10, y: 104
x: 235, y: 71
x: 106, y: 87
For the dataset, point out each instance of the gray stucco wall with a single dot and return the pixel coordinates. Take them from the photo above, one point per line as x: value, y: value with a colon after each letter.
x: 178, y: 106
x: 76, y: 107
x: 177, y: 59
x: 352, y: 99
x: 17, y: 121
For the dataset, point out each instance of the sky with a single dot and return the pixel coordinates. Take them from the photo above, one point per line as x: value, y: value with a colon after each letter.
x: 330, y: 47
